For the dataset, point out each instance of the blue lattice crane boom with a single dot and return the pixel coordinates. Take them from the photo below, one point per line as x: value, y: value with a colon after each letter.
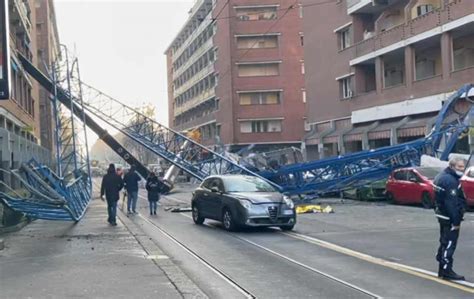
x: 338, y: 173
x: 65, y: 99
x: 311, y: 177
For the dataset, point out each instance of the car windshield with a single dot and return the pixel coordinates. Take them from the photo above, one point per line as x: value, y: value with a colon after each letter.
x: 429, y: 172
x: 247, y: 184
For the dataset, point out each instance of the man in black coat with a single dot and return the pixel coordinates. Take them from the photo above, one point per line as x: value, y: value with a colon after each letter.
x: 131, y: 180
x: 450, y: 207
x: 111, y: 186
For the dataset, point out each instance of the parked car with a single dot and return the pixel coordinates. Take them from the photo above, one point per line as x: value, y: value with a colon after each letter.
x: 412, y: 186
x: 467, y: 183
x: 239, y: 200
x: 370, y: 192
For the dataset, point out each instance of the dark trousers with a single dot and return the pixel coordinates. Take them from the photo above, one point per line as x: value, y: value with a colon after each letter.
x: 448, y: 239
x: 112, y: 210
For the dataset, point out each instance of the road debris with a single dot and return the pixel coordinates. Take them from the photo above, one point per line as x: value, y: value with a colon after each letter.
x: 304, y: 209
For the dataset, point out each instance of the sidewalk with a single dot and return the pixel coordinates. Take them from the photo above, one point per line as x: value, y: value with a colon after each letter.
x: 89, y: 259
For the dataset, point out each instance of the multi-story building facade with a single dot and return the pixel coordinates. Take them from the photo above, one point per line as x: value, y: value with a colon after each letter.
x: 48, y: 52
x: 377, y: 72
x: 20, y: 113
x: 236, y: 71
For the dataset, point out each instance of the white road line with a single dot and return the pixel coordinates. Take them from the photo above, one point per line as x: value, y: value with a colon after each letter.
x: 299, y: 263
x: 465, y: 286
x: 202, y: 261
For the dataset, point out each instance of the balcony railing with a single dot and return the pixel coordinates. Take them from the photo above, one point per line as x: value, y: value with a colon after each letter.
x: 428, y: 21
x: 20, y: 13
x: 196, y: 122
x: 201, y: 98
x: 191, y: 60
x: 195, y: 79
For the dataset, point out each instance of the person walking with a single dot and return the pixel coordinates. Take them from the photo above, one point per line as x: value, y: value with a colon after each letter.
x: 450, y: 207
x: 110, y: 187
x: 131, y: 180
x: 153, y: 186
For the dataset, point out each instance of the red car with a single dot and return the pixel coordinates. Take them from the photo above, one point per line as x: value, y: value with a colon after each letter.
x: 413, y: 186
x: 467, y: 183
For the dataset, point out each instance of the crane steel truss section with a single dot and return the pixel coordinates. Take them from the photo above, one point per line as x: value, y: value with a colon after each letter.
x: 343, y: 172
x: 66, y: 193
x: 178, y: 149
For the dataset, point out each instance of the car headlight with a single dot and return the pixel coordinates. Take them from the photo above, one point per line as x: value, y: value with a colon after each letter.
x: 288, y: 202
x: 245, y: 203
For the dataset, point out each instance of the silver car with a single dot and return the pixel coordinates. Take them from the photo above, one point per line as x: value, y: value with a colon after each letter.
x: 239, y: 200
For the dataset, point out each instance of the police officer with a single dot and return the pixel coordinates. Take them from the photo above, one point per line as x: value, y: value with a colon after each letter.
x: 450, y: 206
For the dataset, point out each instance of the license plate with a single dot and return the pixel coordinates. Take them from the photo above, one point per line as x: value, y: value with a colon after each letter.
x: 287, y: 212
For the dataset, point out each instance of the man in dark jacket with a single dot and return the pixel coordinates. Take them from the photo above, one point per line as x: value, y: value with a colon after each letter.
x: 111, y: 186
x: 450, y: 206
x: 131, y: 180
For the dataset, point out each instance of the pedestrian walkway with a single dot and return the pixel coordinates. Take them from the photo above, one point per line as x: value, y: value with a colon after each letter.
x: 90, y: 259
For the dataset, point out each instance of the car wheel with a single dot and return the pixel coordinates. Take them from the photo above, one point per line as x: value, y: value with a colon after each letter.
x: 228, y: 220
x: 197, y: 218
x: 287, y: 227
x: 390, y: 198
x: 426, y: 201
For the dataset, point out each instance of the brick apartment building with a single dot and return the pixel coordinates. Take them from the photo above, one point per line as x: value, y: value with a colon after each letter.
x: 48, y: 52
x: 20, y: 126
x: 236, y: 70
x: 378, y: 71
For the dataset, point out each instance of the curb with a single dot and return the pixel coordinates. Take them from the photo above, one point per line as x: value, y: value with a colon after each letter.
x: 185, y: 286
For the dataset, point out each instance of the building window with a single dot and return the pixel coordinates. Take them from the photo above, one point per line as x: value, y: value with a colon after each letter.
x: 302, y: 67
x: 259, y: 69
x: 257, y: 42
x: 256, y: 13
x: 394, y: 69
x: 301, y: 39
x: 301, y: 11
x: 463, y: 52
x: 260, y: 126
x: 259, y: 98
x: 303, y: 95
x: 427, y: 63
x: 345, y: 39
x: 345, y: 86
x: 424, y: 9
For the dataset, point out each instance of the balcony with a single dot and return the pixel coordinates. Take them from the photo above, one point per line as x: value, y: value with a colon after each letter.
x: 412, y: 31
x: 195, y: 79
x: 206, y: 95
x: 196, y: 122
x: 20, y: 17
x: 368, y: 6
x: 196, y: 55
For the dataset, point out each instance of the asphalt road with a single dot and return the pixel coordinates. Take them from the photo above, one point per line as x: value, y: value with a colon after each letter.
x: 363, y: 250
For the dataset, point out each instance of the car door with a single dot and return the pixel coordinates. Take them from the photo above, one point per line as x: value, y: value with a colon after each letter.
x: 467, y: 183
x: 205, y: 198
x: 413, y: 189
x: 215, y: 198
x: 398, y: 185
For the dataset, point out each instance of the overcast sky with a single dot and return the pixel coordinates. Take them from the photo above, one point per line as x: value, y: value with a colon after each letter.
x: 120, y: 45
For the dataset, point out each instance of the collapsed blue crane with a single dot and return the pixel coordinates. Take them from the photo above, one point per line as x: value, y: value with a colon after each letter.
x: 314, y: 177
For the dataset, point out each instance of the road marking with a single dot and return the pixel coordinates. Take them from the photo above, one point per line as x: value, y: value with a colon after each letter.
x: 299, y: 263
x: 464, y: 286
x: 218, y: 272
